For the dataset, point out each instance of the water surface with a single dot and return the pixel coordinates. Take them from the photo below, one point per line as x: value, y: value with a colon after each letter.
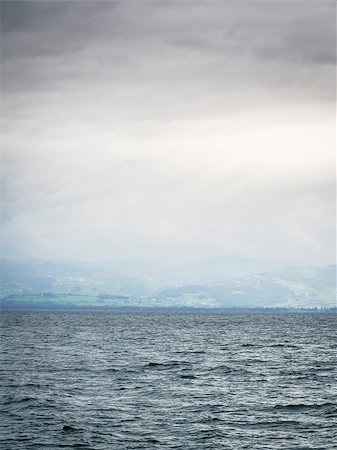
x: 104, y: 380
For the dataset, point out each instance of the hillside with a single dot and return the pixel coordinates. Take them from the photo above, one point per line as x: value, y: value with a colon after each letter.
x: 35, y: 283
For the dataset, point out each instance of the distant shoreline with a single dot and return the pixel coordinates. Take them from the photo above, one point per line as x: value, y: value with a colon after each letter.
x: 173, y: 310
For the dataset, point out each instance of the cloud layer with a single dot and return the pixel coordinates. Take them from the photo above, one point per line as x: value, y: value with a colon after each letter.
x: 174, y: 130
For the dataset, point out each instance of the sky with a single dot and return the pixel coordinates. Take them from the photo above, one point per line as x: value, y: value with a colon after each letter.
x: 174, y: 130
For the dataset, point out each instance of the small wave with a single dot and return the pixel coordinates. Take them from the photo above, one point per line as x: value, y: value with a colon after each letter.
x: 68, y: 428
x: 305, y: 407
x: 189, y: 352
x: 152, y: 441
x: 283, y: 346
x: 228, y: 370
x: 12, y: 400
x: 274, y: 423
x: 188, y: 377
x: 212, y: 420
x: 165, y: 365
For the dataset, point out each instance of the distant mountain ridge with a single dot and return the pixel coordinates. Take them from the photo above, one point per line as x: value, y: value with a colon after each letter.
x: 227, y: 281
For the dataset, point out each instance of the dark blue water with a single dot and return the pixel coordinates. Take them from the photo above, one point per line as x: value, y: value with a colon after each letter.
x: 172, y: 381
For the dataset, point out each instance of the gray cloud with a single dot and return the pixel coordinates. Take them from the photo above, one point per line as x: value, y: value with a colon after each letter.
x: 110, y: 39
x: 168, y: 129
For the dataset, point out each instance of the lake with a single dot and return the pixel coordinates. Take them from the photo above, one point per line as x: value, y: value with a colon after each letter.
x: 112, y: 380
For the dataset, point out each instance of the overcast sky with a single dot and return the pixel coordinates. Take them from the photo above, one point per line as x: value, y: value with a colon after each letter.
x: 174, y: 130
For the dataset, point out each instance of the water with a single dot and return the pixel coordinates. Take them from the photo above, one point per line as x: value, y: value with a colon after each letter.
x: 168, y: 381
